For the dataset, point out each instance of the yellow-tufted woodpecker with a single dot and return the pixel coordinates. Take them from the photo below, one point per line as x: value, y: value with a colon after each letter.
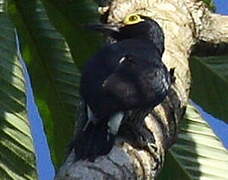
x: 123, y: 76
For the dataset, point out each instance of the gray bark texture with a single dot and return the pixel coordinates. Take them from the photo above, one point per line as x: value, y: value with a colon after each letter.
x: 184, y: 22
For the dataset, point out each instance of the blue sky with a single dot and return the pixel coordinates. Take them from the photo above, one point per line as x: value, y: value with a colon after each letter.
x: 46, y: 170
x: 221, y: 6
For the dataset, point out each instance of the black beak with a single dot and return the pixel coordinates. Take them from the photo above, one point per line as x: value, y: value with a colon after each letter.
x: 104, y: 28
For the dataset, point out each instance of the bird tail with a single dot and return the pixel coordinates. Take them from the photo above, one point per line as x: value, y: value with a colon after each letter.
x: 93, y: 141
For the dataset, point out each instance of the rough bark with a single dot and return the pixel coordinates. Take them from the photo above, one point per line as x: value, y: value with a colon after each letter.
x: 184, y: 22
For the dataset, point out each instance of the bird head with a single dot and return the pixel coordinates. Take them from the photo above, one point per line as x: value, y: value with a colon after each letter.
x: 134, y: 26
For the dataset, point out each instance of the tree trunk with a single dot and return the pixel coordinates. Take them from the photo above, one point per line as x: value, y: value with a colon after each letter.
x: 184, y: 23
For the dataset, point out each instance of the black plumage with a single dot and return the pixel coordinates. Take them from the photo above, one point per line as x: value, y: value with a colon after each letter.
x: 123, y: 76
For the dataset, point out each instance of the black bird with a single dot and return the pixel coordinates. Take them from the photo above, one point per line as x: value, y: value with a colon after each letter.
x: 123, y: 76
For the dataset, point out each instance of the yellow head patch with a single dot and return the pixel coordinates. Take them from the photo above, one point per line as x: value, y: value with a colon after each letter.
x: 132, y: 19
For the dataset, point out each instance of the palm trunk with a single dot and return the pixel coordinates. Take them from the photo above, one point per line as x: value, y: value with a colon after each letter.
x: 184, y: 22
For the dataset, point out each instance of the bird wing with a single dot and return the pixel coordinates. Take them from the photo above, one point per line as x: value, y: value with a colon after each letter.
x: 121, y: 83
x: 138, y: 81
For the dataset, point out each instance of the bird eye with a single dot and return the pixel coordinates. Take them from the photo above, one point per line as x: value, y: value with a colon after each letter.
x: 133, y: 18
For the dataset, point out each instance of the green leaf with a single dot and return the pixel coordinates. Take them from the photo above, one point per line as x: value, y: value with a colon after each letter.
x: 210, y: 4
x: 70, y: 18
x: 55, y: 77
x: 210, y: 84
x: 197, y: 154
x: 17, y: 154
